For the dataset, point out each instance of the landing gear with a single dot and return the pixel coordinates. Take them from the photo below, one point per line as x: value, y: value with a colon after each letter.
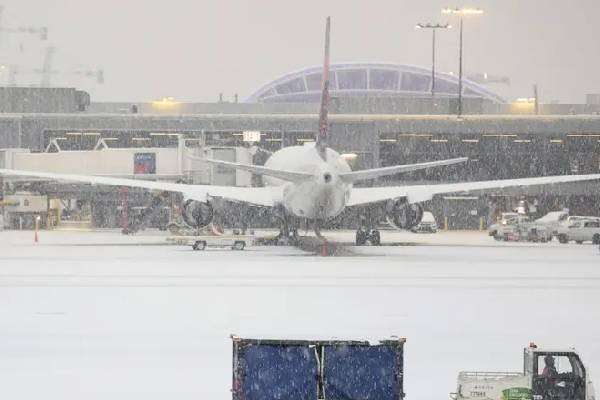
x: 367, y: 236
x: 317, y: 228
x: 288, y: 231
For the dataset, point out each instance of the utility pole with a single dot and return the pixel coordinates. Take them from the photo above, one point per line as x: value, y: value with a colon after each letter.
x: 461, y: 12
x: 536, y: 99
x: 433, y: 28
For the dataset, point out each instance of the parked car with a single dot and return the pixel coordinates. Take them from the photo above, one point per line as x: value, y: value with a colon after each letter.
x: 580, y: 231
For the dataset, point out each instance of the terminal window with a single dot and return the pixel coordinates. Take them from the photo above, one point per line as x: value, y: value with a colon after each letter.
x: 352, y: 79
x: 383, y: 79
x: 313, y: 81
x: 443, y: 86
x: 293, y: 86
x: 415, y: 82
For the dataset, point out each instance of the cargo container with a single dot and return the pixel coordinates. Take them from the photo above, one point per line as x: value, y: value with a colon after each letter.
x: 317, y: 369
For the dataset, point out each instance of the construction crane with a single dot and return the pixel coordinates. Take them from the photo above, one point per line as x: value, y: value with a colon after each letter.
x: 13, y: 69
x: 46, y: 71
x: 41, y: 31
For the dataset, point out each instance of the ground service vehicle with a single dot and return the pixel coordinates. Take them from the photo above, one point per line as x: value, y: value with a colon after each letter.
x: 313, y: 369
x: 235, y: 242
x: 580, y: 231
x: 553, y: 220
x: 506, y: 222
x: 548, y: 374
x: 427, y: 224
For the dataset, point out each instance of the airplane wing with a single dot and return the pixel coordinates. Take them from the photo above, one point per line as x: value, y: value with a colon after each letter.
x: 420, y: 193
x: 385, y: 171
x: 290, y: 176
x: 262, y: 196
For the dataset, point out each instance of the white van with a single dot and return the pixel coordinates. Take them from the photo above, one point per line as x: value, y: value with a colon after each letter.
x: 586, y: 230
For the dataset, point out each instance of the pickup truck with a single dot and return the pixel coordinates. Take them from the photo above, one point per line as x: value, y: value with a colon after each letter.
x: 548, y: 374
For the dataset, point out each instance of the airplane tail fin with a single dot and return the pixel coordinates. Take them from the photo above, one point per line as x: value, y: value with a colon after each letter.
x: 323, y: 111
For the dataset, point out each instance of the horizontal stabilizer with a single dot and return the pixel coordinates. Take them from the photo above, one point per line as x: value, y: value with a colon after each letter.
x: 396, y: 169
x: 290, y: 176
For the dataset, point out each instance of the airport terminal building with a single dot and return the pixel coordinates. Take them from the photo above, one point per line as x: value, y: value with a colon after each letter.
x: 381, y: 114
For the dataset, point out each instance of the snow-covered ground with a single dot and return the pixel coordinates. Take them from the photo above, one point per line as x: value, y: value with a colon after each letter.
x: 100, y: 315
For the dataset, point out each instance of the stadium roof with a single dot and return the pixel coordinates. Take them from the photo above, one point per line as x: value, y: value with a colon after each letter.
x: 366, y: 79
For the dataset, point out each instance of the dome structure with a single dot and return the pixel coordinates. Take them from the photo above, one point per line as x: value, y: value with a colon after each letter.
x: 366, y: 79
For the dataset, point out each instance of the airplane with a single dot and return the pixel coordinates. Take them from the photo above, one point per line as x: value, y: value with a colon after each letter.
x: 313, y: 182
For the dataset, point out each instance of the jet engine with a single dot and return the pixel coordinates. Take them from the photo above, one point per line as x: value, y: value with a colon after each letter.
x: 197, y: 214
x: 403, y: 215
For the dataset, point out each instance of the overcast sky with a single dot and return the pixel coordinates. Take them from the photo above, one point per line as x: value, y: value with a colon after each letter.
x: 193, y: 49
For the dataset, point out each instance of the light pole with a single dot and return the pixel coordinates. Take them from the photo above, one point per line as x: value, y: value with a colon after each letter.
x: 461, y: 12
x: 433, y: 28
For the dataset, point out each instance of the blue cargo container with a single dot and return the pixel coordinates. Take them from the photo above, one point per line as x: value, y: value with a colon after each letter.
x: 317, y: 369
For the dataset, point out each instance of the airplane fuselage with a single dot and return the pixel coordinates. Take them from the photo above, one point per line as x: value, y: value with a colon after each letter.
x: 321, y: 197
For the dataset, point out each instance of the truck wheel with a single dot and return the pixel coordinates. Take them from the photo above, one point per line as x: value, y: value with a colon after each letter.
x: 596, y: 239
x: 579, y: 241
x: 199, y: 245
x: 238, y: 245
x: 360, y: 237
x: 375, y: 238
x: 562, y: 238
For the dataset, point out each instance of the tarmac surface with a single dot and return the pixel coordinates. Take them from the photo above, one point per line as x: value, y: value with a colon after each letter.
x: 99, y: 315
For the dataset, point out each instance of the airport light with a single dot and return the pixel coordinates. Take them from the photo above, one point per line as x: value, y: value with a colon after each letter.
x: 165, y: 103
x: 433, y: 27
x: 523, y: 105
x: 461, y: 12
x: 349, y: 157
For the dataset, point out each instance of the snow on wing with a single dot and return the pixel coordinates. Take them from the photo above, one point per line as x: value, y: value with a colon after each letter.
x: 266, y: 196
x: 419, y: 193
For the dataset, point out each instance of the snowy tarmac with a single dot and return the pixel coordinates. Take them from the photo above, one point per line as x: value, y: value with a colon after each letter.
x: 101, y: 315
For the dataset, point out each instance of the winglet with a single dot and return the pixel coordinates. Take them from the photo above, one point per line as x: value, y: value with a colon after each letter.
x: 323, y: 111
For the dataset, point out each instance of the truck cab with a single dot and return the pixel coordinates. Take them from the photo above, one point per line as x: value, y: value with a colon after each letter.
x: 557, y: 375
x: 547, y: 375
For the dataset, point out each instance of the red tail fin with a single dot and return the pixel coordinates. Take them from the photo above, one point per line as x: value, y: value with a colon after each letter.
x: 323, y: 122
